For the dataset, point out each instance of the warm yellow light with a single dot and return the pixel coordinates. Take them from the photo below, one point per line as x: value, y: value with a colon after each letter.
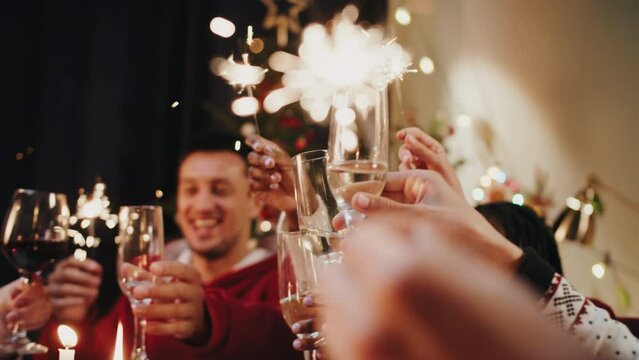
x: 159, y: 193
x: 588, y: 209
x: 426, y: 65
x: 345, y: 116
x: 402, y: 16
x: 118, y: 352
x: 478, y: 194
x: 222, y: 27
x: 485, y: 181
x: 175, y: 104
x: 68, y: 337
x: 349, y: 141
x: 238, y: 145
x: 573, y: 203
x: 463, y: 120
x: 265, y: 226
x: 245, y: 106
x: 599, y: 270
x: 80, y: 254
x: 85, y: 223
x: 518, y: 199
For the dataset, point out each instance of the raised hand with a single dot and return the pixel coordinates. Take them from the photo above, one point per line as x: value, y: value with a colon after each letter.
x: 177, y: 307
x: 420, y: 151
x: 73, y: 288
x: 411, y: 289
x: 271, y: 174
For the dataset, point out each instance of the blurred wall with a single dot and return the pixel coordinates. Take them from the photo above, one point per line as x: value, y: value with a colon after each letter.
x: 559, y: 84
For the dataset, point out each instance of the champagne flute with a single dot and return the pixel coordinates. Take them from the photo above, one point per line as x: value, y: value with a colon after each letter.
x: 141, y: 243
x: 297, y: 272
x: 34, y: 237
x: 357, y: 146
x: 316, y: 205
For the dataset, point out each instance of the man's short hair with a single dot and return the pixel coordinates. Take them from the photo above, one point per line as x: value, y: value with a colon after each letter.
x: 216, y: 142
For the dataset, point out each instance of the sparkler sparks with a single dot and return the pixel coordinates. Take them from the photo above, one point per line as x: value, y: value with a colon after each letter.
x: 242, y: 76
x: 345, y: 59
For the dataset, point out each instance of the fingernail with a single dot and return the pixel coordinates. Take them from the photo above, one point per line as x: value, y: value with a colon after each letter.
x: 297, y: 345
x: 401, y: 134
x: 269, y: 149
x: 362, y: 201
x: 268, y: 162
x: 156, y: 268
x: 274, y: 186
x: 411, y: 139
x: 275, y: 177
x: 308, y: 301
x: 296, y: 327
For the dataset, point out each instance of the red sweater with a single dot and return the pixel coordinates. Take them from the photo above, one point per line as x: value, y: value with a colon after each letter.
x: 245, y: 318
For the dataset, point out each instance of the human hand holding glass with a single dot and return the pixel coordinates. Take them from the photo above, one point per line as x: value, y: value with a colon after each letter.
x: 357, y: 147
x: 34, y: 237
x: 141, y: 243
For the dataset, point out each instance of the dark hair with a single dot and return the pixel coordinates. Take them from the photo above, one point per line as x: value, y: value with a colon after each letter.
x: 522, y: 226
x: 215, y: 142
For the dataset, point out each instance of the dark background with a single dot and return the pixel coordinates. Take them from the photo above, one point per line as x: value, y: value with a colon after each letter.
x: 87, y: 88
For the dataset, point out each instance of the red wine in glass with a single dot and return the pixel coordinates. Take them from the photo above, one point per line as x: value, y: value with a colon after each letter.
x: 33, y: 256
x: 34, y: 236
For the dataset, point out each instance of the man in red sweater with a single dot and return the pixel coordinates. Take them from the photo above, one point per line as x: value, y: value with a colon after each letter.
x: 223, y: 302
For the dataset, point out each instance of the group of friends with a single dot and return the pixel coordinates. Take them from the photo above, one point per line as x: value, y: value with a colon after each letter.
x: 425, y: 276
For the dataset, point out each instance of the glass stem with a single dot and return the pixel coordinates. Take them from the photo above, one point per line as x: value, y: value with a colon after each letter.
x: 139, y: 346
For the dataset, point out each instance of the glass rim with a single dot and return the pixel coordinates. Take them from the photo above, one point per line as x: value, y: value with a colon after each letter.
x: 310, y: 155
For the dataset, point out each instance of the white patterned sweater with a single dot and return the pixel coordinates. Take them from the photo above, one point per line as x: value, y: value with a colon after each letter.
x: 605, y: 337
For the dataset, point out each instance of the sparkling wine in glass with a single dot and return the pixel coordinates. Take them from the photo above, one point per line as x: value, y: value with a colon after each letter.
x: 141, y: 243
x: 34, y: 237
x: 357, y: 146
x: 297, y: 272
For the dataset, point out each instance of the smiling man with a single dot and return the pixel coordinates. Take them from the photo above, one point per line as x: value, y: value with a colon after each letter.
x: 223, y: 301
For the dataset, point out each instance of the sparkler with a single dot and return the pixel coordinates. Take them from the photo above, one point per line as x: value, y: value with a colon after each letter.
x: 90, y: 208
x: 345, y: 59
x: 244, y: 77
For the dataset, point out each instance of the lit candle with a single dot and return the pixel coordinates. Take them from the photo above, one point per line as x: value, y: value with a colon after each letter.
x: 69, y: 339
x: 118, y: 353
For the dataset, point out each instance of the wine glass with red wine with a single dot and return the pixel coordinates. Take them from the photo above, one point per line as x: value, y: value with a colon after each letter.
x: 34, y: 237
x: 141, y: 243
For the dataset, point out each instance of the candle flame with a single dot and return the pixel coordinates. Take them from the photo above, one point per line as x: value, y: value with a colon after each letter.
x: 67, y: 336
x: 118, y: 353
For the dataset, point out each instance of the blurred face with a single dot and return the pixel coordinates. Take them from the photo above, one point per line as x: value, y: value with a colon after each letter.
x: 214, y: 206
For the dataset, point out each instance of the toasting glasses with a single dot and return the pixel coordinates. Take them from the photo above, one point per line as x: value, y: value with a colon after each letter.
x: 141, y: 243
x: 34, y: 237
x: 357, y: 146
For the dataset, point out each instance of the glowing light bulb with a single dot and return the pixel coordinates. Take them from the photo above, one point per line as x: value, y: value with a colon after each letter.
x: 599, y: 270
x: 265, y: 226
x: 245, y: 106
x: 222, y: 27
x: 402, y: 16
x: 485, y: 181
x: 573, y: 203
x: 518, y: 199
x: 426, y: 65
x: 478, y: 194
x: 345, y: 116
x: 349, y: 141
x: 588, y: 209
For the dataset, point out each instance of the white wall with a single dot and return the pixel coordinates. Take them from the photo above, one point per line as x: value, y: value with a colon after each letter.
x: 559, y: 83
